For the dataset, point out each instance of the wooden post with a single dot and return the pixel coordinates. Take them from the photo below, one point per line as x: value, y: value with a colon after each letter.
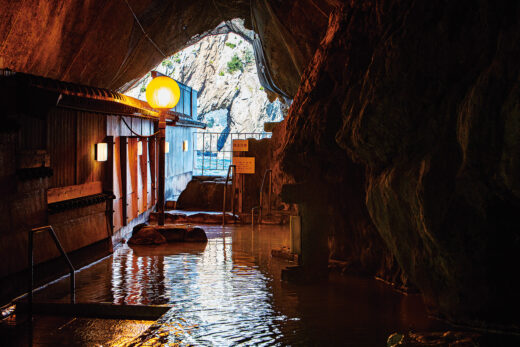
x: 160, y: 193
x: 152, y: 145
x: 123, y: 158
x: 108, y: 182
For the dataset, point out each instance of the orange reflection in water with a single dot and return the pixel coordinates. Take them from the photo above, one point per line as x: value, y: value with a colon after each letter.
x: 229, y: 291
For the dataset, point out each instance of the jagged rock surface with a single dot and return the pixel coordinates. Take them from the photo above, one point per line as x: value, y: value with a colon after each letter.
x: 407, y: 119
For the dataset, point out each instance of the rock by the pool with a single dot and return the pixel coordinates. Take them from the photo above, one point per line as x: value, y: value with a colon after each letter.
x: 195, y: 235
x: 172, y: 233
x: 146, y: 235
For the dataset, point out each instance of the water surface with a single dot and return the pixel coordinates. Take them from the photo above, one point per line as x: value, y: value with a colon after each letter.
x: 229, y: 292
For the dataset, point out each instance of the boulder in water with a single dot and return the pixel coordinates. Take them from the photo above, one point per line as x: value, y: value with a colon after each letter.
x: 146, y: 235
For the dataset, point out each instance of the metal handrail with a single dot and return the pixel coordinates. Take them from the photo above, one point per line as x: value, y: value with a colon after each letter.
x: 233, y: 193
x: 253, y: 216
x: 262, y: 194
x: 261, y: 198
x: 62, y: 251
x: 211, y: 157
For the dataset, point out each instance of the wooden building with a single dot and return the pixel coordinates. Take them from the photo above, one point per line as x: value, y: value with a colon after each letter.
x: 49, y: 174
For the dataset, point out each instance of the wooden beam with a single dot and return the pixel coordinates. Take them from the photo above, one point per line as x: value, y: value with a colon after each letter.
x: 74, y: 192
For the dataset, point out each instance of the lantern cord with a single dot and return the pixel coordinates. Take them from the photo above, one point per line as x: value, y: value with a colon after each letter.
x: 144, y: 32
x: 136, y: 134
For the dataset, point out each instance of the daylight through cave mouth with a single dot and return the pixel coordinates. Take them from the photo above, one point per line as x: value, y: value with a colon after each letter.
x: 221, y: 71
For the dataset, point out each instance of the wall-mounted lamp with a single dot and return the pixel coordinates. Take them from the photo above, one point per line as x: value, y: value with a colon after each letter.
x: 101, y: 151
x: 139, y: 147
x: 166, y: 147
x: 185, y: 145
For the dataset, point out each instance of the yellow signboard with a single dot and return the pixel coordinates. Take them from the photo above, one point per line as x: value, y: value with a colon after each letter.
x: 240, y: 145
x: 245, y: 165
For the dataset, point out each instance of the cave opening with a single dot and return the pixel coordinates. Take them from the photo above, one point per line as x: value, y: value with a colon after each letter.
x: 221, y: 69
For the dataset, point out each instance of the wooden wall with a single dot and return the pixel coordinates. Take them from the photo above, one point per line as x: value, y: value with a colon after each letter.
x: 70, y: 142
x: 64, y: 140
x: 134, y: 175
x: 71, y: 136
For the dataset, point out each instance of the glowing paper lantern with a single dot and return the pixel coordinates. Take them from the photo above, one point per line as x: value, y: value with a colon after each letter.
x: 162, y: 93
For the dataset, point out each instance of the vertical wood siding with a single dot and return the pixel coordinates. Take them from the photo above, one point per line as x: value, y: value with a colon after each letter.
x: 61, y: 145
x: 71, y: 139
x: 139, y: 169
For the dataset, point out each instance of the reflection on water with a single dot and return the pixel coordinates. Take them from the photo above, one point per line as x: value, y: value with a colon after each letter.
x: 228, y: 292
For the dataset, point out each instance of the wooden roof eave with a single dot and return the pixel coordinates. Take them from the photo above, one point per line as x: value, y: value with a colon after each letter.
x: 84, y: 98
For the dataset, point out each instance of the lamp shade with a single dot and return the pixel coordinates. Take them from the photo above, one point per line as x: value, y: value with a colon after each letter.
x: 101, y: 151
x: 162, y: 93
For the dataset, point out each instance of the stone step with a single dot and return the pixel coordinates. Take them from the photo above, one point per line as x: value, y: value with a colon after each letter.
x: 195, y: 217
x: 274, y: 218
x: 95, y: 310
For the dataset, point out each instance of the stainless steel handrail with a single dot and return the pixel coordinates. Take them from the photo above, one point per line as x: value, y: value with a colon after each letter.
x: 253, y: 216
x: 234, y: 169
x: 261, y: 198
x: 262, y: 194
x: 62, y: 251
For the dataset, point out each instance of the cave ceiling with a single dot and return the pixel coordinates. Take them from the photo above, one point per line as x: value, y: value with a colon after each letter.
x: 110, y: 44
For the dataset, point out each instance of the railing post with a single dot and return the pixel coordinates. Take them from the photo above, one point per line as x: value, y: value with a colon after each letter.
x: 62, y: 251
x: 233, y: 191
x: 31, y: 271
x: 210, y: 151
x: 230, y: 168
x: 270, y: 191
x: 203, y: 150
x: 262, y: 195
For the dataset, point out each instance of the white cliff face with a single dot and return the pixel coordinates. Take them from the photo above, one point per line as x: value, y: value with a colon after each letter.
x: 222, y: 68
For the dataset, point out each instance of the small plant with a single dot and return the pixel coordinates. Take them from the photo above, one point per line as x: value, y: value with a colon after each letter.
x: 235, y: 64
x: 230, y: 45
x: 211, y: 61
x: 248, y: 56
x: 221, y: 73
x: 143, y: 89
x: 261, y: 88
x: 167, y: 63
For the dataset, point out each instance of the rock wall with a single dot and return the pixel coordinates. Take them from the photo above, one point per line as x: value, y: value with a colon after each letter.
x: 408, y: 120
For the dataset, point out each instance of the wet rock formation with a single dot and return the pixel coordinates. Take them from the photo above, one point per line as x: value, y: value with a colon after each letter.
x: 156, y: 235
x: 146, y: 235
x: 203, y: 194
x: 407, y: 120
